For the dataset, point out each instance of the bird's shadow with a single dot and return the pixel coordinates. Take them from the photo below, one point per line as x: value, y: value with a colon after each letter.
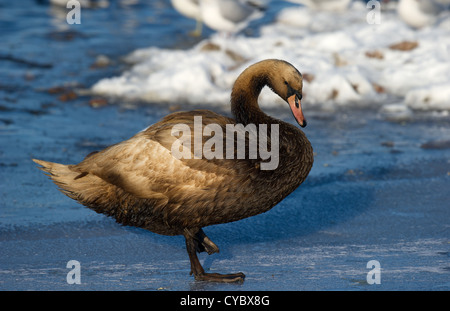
x: 316, y: 205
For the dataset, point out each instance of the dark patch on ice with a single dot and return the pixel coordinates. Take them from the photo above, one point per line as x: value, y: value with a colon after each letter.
x: 25, y: 62
x: 436, y: 144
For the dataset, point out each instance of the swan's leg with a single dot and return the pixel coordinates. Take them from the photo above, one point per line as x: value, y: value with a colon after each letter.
x: 192, y: 246
x: 204, y: 244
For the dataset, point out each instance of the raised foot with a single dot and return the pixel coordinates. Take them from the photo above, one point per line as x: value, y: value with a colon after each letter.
x: 222, y: 278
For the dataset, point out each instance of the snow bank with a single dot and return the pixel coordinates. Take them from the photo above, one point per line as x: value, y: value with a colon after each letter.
x: 344, y: 60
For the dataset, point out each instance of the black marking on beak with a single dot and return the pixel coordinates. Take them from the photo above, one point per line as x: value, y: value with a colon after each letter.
x: 291, y: 91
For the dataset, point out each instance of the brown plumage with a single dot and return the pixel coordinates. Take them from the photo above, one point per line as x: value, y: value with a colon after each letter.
x: 140, y: 183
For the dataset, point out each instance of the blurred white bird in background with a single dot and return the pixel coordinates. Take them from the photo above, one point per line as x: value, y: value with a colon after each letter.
x: 190, y: 9
x: 324, y: 5
x: 231, y: 16
x: 421, y: 13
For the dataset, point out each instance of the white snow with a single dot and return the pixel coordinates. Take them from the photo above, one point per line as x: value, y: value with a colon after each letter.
x: 344, y: 60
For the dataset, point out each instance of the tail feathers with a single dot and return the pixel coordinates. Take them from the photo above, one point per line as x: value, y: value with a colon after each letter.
x: 61, y: 175
x: 94, y: 192
x: 88, y: 189
x: 53, y: 169
x: 104, y: 197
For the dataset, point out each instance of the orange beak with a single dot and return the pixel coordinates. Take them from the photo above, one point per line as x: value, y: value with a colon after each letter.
x: 296, y: 108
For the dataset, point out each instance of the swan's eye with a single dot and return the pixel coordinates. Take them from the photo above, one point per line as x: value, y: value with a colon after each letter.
x: 285, y: 82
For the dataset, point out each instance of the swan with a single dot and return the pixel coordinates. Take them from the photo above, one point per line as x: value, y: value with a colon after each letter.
x: 141, y: 183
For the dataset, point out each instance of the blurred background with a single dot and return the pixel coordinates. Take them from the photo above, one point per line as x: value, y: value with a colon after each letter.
x: 376, y: 97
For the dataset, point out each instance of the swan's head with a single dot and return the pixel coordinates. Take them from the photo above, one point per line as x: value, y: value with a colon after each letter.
x: 280, y: 76
x: 287, y: 82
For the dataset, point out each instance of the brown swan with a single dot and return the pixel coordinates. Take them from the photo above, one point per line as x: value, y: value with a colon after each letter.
x: 141, y: 183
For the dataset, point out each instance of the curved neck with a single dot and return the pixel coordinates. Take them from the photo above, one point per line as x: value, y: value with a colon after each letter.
x: 294, y: 149
x: 244, y: 96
